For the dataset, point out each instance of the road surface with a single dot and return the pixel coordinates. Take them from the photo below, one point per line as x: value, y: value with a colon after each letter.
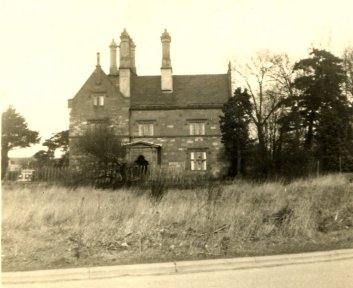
x: 333, y: 274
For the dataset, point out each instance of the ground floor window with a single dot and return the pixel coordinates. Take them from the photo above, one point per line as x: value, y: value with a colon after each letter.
x: 98, y: 124
x: 198, y: 160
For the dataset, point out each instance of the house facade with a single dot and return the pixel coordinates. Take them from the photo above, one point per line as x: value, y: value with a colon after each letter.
x: 170, y: 121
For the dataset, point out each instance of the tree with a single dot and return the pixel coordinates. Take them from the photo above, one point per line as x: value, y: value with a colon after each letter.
x: 60, y: 141
x: 320, y: 109
x: 101, y: 143
x: 234, y: 125
x: 104, y: 154
x: 42, y: 158
x: 348, y: 67
x: 267, y: 78
x: 15, y: 133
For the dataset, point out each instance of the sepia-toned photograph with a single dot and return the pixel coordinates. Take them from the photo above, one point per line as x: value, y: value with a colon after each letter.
x: 176, y: 143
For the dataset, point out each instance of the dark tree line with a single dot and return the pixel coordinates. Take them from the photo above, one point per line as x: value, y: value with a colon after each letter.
x: 291, y: 119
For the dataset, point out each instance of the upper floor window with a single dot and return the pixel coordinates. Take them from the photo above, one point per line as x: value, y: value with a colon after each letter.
x: 145, y: 129
x: 98, y: 100
x: 197, y: 128
x: 198, y: 161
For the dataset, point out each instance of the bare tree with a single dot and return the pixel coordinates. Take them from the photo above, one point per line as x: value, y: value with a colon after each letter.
x: 348, y: 66
x: 267, y: 77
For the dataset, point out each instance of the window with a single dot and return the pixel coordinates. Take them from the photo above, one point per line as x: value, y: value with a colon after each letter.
x: 197, y: 128
x: 198, y: 161
x: 94, y: 124
x: 145, y: 129
x: 98, y: 100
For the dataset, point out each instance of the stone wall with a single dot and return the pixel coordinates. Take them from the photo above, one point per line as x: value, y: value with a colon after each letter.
x: 84, y: 114
x: 171, y: 131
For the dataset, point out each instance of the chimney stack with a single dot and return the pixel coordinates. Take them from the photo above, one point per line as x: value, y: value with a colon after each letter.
x: 98, y: 60
x: 113, y: 67
x: 166, y: 69
x: 125, y: 50
x: 132, y: 55
x: 127, y: 61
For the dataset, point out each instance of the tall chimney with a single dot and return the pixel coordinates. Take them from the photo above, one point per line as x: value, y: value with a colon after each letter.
x: 125, y: 50
x: 132, y: 55
x: 113, y: 67
x: 98, y: 60
x: 166, y: 69
x: 230, y: 79
x: 125, y: 64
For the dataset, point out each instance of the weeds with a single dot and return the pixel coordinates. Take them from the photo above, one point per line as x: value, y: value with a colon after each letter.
x: 156, y: 222
x: 158, y: 188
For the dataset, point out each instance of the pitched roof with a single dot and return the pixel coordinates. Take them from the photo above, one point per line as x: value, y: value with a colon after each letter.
x: 189, y: 91
x: 97, y: 82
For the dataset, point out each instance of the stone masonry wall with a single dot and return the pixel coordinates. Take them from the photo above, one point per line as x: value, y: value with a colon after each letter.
x: 171, y: 131
x: 114, y: 112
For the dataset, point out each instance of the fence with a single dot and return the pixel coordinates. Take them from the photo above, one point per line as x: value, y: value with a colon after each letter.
x: 42, y: 174
x: 114, y: 177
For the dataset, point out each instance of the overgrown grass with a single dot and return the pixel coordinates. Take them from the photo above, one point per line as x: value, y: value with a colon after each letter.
x: 45, y: 226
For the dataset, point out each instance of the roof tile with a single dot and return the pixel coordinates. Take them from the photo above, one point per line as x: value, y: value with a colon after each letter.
x: 188, y: 90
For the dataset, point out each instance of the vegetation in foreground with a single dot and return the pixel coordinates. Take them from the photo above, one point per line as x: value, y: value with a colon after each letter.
x: 46, y: 226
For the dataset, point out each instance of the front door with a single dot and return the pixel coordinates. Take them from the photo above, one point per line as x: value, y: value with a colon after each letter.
x: 142, y: 153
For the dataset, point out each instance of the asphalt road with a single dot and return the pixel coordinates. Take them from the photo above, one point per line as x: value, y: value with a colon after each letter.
x: 333, y: 274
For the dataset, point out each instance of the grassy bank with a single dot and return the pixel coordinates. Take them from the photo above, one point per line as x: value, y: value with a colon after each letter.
x: 46, y: 226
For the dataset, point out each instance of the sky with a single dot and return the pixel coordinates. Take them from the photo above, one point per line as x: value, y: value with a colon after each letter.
x: 48, y: 47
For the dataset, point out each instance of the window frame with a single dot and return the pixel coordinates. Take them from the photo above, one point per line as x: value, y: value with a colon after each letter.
x: 101, y: 123
x: 98, y: 100
x: 197, y: 127
x: 145, y: 128
x: 195, y: 164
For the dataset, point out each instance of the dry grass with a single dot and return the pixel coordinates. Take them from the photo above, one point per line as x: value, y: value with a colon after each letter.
x: 46, y: 226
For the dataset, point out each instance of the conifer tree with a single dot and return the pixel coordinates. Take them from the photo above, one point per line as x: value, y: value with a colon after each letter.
x: 320, y: 108
x: 234, y: 125
x: 14, y: 133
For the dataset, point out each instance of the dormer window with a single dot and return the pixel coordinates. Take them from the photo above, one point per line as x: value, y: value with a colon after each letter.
x: 98, y: 100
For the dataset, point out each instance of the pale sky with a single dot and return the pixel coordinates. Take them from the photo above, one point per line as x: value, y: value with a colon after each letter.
x: 48, y: 47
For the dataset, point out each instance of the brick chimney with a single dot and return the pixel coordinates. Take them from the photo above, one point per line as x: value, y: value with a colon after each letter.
x: 166, y: 69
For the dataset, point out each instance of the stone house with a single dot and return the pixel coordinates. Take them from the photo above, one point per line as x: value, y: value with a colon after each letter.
x: 170, y: 121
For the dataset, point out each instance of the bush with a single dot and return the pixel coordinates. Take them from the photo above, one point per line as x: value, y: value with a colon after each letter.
x: 158, y: 188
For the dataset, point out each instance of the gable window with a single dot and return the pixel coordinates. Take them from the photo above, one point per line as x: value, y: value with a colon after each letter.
x: 198, y: 160
x: 98, y: 100
x: 197, y: 128
x: 145, y: 129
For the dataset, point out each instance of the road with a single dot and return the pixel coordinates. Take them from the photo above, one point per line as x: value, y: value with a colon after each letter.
x: 333, y: 274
